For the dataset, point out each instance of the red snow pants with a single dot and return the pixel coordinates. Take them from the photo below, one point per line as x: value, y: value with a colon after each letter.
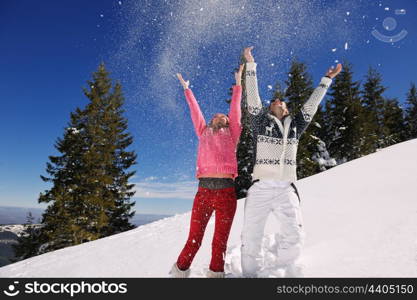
x: 224, y: 202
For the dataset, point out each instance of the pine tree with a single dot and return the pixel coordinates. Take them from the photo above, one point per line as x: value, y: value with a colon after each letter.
x: 299, y: 88
x: 318, y: 130
x: 326, y: 132
x: 344, y: 116
x: 278, y: 92
x: 394, y: 127
x: 373, y: 102
x: 411, y: 113
x: 28, y: 241
x: 245, y: 151
x: 90, y: 196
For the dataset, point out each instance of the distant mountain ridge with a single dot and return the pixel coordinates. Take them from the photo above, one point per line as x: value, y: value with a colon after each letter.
x: 12, y: 220
x: 17, y: 215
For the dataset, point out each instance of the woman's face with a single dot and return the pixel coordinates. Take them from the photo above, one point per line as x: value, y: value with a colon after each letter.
x: 220, y: 120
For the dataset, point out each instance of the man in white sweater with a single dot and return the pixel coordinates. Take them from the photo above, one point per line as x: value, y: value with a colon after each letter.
x: 275, y: 141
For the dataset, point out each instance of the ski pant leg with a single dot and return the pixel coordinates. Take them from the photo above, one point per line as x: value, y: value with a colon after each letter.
x: 225, y: 207
x: 257, y: 209
x: 201, y: 213
x: 291, y: 237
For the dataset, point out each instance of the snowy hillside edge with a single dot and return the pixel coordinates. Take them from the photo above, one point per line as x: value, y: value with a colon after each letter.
x: 360, y: 220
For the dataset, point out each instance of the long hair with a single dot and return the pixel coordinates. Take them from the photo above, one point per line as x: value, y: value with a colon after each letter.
x: 217, y: 127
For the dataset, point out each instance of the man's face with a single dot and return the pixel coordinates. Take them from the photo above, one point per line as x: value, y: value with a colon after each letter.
x: 220, y: 120
x: 279, y: 108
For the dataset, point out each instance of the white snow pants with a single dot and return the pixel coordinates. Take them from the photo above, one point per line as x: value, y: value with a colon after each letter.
x: 280, y: 198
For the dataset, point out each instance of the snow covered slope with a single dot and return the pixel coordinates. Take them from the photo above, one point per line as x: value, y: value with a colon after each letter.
x: 360, y: 220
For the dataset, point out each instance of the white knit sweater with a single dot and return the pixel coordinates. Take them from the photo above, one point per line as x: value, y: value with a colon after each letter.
x: 276, y: 141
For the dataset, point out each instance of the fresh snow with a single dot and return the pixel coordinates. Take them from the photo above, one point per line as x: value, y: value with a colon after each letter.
x: 360, y: 220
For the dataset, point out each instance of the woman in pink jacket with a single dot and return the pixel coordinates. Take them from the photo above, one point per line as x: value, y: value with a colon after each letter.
x: 216, y: 171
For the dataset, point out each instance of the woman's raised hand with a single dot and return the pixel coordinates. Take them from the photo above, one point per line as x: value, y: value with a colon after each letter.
x: 238, y: 75
x: 184, y: 83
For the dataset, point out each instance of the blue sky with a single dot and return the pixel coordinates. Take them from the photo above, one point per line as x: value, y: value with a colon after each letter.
x: 48, y: 49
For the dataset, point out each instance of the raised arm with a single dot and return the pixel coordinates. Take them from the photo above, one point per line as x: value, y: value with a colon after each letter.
x: 254, y: 103
x: 235, y: 107
x: 304, y: 117
x: 196, y: 114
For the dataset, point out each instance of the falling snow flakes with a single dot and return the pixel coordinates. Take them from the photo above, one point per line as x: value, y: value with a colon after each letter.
x: 346, y: 46
x: 101, y: 16
x: 192, y: 27
x: 348, y: 13
x: 334, y: 49
x: 270, y: 87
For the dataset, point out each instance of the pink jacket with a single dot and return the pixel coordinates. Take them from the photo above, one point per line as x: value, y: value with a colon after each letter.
x: 217, y: 151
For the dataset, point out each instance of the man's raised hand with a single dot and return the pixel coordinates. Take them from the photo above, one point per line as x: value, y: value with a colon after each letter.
x: 184, y: 83
x: 248, y: 54
x: 332, y: 72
